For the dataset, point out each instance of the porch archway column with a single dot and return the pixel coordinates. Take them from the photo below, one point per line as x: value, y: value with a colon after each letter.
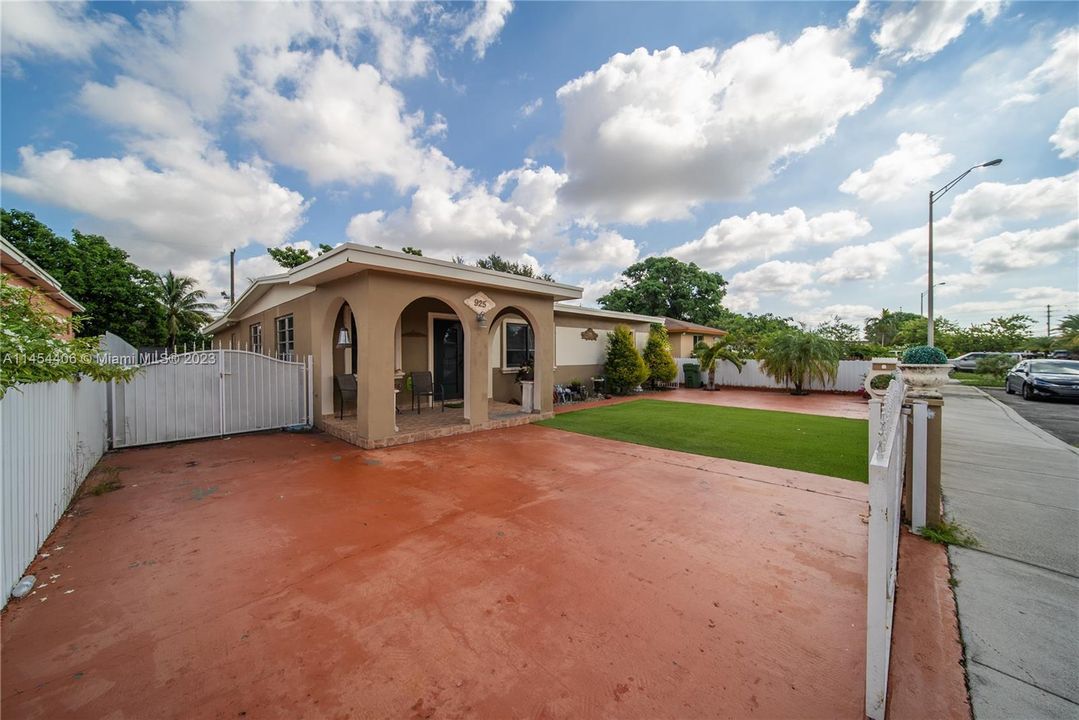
x: 543, y: 330
x: 478, y: 368
x: 375, y: 360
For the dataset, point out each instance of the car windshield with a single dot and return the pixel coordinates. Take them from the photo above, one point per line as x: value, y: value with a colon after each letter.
x: 1060, y: 367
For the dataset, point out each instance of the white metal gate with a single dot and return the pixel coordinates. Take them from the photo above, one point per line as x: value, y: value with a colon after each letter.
x: 887, y: 443
x: 210, y: 393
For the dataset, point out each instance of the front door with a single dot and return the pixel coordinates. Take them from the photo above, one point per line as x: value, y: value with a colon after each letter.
x: 449, y: 352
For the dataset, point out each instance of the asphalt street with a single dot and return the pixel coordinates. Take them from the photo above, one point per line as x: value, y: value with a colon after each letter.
x: 1057, y: 417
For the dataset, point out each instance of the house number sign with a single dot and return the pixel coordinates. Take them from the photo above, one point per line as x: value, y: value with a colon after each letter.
x: 480, y: 304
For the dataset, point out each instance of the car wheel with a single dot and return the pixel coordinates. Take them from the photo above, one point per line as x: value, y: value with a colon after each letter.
x: 1028, y: 394
x: 1008, y: 387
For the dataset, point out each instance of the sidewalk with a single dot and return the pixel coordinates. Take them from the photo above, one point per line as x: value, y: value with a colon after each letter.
x: 1017, y: 489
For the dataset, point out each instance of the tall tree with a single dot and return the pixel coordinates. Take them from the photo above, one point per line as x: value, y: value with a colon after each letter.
x: 186, y: 309
x: 497, y: 262
x: 885, y: 327
x: 118, y: 295
x: 290, y: 257
x: 667, y: 287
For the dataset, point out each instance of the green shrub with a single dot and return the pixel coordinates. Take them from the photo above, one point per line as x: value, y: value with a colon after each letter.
x: 924, y: 355
x: 996, y: 366
x: 625, y: 368
x: 657, y: 355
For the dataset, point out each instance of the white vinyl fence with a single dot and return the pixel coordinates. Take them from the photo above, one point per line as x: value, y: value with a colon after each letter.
x: 848, y: 379
x: 209, y: 393
x: 888, y: 451
x: 51, y: 435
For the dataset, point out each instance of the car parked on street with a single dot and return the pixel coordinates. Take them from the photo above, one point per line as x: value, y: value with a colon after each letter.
x: 1044, y: 378
x: 969, y: 361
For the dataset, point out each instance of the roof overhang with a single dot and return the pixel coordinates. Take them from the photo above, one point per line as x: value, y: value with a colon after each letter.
x: 567, y: 309
x: 15, y: 262
x: 350, y: 258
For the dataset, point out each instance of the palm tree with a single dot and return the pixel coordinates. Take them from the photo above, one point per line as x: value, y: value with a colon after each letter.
x: 799, y: 357
x: 184, y: 305
x: 711, y: 354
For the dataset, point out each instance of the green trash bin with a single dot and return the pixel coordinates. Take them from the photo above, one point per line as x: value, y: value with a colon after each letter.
x: 692, y: 372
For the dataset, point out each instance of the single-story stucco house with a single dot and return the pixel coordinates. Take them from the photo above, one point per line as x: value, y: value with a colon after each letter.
x: 380, y: 315
x: 685, y: 336
x: 24, y: 272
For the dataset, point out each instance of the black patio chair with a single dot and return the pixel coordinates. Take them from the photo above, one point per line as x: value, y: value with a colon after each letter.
x: 423, y: 386
x: 344, y: 386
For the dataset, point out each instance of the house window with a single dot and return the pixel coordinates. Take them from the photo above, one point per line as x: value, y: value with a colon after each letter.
x: 520, y: 345
x: 256, y: 338
x: 697, y: 339
x: 285, y: 344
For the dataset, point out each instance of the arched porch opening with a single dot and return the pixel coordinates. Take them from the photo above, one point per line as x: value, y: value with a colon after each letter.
x: 512, y: 357
x: 345, y: 352
x: 431, y: 338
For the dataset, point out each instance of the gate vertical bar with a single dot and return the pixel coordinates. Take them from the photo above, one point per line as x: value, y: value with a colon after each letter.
x: 310, y: 393
x: 918, y: 472
x: 221, y: 388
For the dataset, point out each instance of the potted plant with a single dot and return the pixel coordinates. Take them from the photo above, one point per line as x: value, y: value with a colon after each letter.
x: 924, y: 369
x: 526, y: 379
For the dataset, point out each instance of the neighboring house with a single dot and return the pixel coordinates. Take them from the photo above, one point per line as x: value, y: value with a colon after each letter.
x: 379, y: 315
x: 24, y: 272
x: 685, y: 336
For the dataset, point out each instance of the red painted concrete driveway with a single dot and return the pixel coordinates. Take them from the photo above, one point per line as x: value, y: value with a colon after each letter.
x: 517, y: 573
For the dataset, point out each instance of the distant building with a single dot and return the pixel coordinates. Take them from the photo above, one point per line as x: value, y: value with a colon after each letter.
x: 24, y: 272
x: 685, y: 336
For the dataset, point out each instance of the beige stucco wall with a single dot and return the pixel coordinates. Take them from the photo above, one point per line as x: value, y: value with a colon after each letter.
x: 580, y: 359
x: 44, y: 301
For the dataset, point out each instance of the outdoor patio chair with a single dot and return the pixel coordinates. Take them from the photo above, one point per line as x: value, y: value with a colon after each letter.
x: 344, y: 386
x: 423, y: 386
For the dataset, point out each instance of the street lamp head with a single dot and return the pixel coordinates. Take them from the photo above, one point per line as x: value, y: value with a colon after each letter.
x: 991, y: 163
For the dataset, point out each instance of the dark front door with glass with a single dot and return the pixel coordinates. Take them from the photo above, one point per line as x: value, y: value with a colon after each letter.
x: 449, y: 354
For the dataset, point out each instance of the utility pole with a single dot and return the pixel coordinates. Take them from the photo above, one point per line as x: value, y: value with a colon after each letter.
x: 232, y: 277
x: 1048, y: 309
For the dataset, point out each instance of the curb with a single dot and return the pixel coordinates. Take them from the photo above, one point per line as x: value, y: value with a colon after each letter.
x: 1020, y: 420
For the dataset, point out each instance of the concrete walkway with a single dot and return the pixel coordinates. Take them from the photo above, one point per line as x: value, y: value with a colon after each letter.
x: 1017, y: 489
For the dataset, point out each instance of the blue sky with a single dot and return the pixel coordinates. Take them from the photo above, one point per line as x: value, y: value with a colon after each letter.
x: 789, y: 146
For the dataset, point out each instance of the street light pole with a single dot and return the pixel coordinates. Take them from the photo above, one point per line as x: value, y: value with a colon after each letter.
x: 933, y: 197
x: 921, y: 298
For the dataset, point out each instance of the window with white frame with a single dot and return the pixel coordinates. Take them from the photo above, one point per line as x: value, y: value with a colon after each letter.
x: 285, y: 337
x: 256, y: 337
x: 697, y: 340
x: 520, y: 345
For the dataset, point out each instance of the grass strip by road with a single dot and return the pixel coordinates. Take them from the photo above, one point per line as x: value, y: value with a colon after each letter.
x: 978, y: 380
x: 811, y: 443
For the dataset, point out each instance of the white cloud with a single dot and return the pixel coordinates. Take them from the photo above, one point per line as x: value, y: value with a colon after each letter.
x: 1025, y: 300
x: 343, y: 123
x: 759, y: 236
x: 529, y: 108
x: 848, y: 313
x: 871, y: 261
x: 990, y: 206
x: 164, y: 218
x: 474, y: 220
x: 483, y: 28
x: 1066, y: 138
x: 594, y: 289
x: 1025, y: 249
x: 916, y: 160
x: 648, y: 136
x: 66, y: 30
x: 920, y: 30
x: 145, y: 110
x: 607, y: 249
x: 1059, y: 71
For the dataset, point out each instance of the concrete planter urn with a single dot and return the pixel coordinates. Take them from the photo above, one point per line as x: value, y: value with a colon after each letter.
x: 922, y: 381
x: 528, y: 390
x: 924, y: 369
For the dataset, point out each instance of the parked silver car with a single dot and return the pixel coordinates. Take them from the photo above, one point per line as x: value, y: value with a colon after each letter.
x: 1044, y: 378
x: 969, y: 362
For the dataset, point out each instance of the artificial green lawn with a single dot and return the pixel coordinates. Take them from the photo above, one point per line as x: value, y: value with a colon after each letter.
x: 812, y: 443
